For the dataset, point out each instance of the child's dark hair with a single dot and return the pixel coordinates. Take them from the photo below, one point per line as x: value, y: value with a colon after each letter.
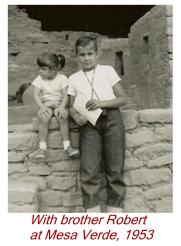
x: 84, y: 41
x: 61, y: 61
x: 51, y: 60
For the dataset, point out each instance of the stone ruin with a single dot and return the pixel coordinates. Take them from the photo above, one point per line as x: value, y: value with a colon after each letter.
x: 144, y: 61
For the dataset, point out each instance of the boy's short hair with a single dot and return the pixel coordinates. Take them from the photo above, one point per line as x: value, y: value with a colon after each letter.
x: 84, y: 41
x: 51, y: 60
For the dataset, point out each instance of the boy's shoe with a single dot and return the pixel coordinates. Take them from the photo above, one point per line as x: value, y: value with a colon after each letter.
x: 72, y: 152
x: 41, y: 154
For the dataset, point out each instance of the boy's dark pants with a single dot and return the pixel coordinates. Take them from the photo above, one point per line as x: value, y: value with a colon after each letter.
x: 105, y: 139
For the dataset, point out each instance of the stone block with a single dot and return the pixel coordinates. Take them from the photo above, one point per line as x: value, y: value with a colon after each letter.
x: 170, y: 26
x: 66, y: 166
x: 135, y: 205
x: 26, y: 127
x: 146, y: 176
x: 153, y: 151
x: 54, y: 210
x: 22, y: 141
x: 62, y: 183
x: 53, y: 124
x: 51, y: 198
x: 170, y: 21
x: 156, y: 115
x: 170, y: 44
x: 53, y: 155
x: 163, y: 133
x: 72, y: 199
x: 56, y: 155
x: 130, y: 119
x: 22, y: 193
x: 160, y: 161
x: 39, y: 170
x: 132, y: 164
x: 171, y: 68
x: 164, y: 205
x: 17, y: 168
x: 55, y: 140
x: 138, y: 138
x: 170, y: 57
x: 25, y: 208
x: 17, y: 156
x: 169, y: 10
x: 21, y: 114
x: 74, y: 138
x: 39, y: 181
x: 132, y: 192
x: 128, y: 154
x: 165, y: 190
x: 75, y: 209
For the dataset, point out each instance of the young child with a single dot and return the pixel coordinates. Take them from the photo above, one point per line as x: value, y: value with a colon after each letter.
x: 50, y: 93
x: 100, y: 85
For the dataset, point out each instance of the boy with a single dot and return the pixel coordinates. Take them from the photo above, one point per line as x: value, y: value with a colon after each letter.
x: 50, y: 93
x: 99, y: 88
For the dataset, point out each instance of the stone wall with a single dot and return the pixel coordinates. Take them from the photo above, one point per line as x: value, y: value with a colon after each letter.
x: 150, y: 46
x: 27, y: 41
x: 54, y: 185
x: 146, y: 57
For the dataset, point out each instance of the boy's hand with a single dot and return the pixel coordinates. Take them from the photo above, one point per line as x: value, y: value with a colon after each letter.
x: 80, y: 119
x: 61, y: 113
x: 93, y: 104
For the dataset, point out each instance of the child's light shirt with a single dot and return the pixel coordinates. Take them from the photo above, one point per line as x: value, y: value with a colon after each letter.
x: 103, y: 79
x: 51, y: 90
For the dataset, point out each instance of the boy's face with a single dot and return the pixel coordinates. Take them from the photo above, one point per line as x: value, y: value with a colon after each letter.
x: 47, y: 73
x: 87, y: 56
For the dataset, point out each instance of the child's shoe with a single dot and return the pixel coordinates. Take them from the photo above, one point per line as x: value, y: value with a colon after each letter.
x: 72, y: 152
x: 41, y: 154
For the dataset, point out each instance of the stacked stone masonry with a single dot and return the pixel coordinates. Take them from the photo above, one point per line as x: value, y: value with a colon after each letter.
x: 151, y: 58
x: 53, y: 185
x: 147, y: 55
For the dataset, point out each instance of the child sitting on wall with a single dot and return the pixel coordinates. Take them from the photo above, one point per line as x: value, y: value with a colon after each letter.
x: 50, y: 93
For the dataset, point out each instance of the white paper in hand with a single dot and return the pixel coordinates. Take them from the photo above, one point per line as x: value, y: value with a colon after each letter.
x: 80, y: 106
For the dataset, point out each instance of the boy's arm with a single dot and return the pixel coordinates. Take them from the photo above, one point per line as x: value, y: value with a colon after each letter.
x: 119, y: 101
x: 79, y: 119
x: 65, y: 98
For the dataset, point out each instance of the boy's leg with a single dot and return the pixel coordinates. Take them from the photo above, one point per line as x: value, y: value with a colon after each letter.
x: 114, y: 151
x: 90, y: 173
x: 64, y: 128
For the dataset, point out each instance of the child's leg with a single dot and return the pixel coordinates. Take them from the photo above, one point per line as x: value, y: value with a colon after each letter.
x: 64, y: 128
x: 43, y: 128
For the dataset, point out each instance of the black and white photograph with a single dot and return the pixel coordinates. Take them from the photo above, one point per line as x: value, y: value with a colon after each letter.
x: 90, y: 109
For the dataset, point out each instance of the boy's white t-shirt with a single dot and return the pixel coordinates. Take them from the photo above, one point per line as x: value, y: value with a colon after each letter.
x: 51, y: 90
x: 105, y: 77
